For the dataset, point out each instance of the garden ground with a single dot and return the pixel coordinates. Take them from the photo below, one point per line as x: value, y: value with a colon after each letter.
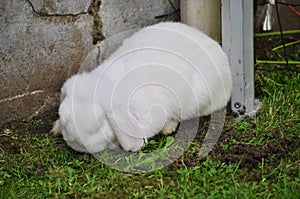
x: 254, y: 158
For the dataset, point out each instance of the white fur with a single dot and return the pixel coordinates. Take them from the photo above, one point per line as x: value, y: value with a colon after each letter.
x: 161, y: 75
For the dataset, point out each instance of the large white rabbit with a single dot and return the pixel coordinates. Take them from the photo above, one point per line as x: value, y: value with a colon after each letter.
x: 161, y: 75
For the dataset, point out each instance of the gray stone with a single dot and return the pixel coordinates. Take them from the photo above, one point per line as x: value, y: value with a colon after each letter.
x: 37, y: 53
x: 60, y: 7
x: 121, y: 19
x: 43, y: 42
x: 118, y: 15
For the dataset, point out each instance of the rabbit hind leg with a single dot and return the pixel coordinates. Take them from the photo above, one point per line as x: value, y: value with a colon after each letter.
x: 169, y: 127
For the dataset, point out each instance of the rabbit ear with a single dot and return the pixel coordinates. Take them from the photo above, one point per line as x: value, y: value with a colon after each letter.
x: 127, y: 130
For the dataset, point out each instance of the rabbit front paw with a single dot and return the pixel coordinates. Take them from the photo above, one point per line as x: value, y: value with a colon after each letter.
x: 55, y: 129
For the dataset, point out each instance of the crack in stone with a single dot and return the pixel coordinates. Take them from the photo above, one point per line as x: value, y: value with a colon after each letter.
x: 93, y: 10
x: 21, y: 95
x: 41, y: 14
x: 98, y: 24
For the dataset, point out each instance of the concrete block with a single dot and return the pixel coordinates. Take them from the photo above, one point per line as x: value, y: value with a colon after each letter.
x: 43, y: 42
x: 118, y: 15
x: 60, y: 7
x: 37, y: 54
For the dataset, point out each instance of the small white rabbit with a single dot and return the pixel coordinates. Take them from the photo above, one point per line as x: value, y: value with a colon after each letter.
x: 161, y: 75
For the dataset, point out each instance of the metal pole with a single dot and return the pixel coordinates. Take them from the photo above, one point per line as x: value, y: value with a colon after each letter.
x: 237, y: 42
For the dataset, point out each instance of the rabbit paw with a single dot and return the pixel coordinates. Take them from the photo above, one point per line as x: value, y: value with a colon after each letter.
x: 169, y: 127
x: 55, y: 129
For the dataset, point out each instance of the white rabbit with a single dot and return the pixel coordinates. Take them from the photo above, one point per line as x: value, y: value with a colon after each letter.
x: 161, y: 75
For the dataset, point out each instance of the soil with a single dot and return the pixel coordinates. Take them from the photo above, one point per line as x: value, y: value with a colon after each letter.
x: 264, y: 45
x: 248, y: 156
x: 36, y: 125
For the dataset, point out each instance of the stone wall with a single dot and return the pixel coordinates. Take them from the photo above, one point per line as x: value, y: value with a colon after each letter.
x: 43, y: 42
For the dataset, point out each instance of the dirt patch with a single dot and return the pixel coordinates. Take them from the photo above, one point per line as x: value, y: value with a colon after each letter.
x: 265, y: 48
x: 41, y: 123
x: 246, y: 155
x: 250, y: 156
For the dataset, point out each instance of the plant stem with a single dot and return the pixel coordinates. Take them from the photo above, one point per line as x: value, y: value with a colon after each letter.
x: 277, y: 62
x: 267, y: 34
x: 288, y: 44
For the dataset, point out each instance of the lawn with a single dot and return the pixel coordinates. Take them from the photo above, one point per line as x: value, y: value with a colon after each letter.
x: 254, y: 158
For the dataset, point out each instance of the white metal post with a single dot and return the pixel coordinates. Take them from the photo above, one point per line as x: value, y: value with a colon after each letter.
x: 237, y: 42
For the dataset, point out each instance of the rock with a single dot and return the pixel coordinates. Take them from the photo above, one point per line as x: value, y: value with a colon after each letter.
x: 37, y: 54
x: 43, y: 42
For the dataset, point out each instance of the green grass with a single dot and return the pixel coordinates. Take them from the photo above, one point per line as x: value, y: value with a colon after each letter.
x: 38, y: 165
